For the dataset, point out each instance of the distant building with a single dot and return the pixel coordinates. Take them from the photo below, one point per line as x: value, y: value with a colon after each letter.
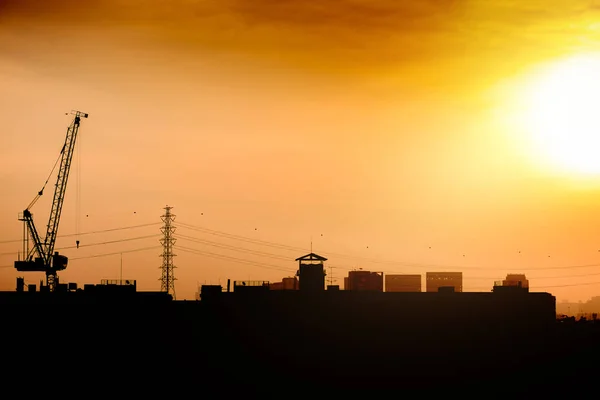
x: 209, y: 291
x: 436, y: 280
x: 365, y: 280
x: 250, y: 286
x: 290, y: 283
x: 513, y: 282
x: 516, y: 280
x: 403, y: 283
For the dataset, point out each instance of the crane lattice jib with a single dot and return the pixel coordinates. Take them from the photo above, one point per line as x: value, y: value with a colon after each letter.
x: 61, y: 186
x: 35, y: 237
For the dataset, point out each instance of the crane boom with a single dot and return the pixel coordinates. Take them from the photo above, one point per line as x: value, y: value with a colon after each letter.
x: 61, y: 185
x: 45, y: 259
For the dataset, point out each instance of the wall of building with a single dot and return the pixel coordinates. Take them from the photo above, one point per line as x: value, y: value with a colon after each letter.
x: 291, y: 283
x: 435, y: 280
x: 365, y: 280
x: 312, y: 277
x: 515, y: 280
x: 403, y: 283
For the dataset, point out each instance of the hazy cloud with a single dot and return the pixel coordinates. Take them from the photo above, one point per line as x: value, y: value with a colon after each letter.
x: 339, y: 36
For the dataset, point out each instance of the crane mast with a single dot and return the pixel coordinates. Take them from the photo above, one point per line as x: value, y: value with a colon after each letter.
x: 41, y: 257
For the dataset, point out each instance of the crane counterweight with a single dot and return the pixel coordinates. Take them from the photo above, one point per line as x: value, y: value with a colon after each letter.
x: 41, y: 257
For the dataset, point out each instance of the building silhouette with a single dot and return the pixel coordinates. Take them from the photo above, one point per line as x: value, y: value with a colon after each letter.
x: 289, y: 283
x: 364, y: 303
x: 364, y: 280
x: 444, y: 280
x: 516, y: 280
x: 403, y: 283
x: 393, y: 340
x: 311, y: 273
x: 513, y: 283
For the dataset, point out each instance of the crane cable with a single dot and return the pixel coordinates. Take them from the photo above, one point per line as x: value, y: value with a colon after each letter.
x: 78, y: 192
x: 41, y: 192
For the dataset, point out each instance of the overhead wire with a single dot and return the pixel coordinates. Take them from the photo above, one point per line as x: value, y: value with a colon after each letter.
x: 111, y: 241
x: 266, y: 254
x: 280, y: 257
x: 115, y: 253
x: 97, y: 243
x: 235, y: 259
x: 239, y: 237
x: 550, y: 286
x: 230, y: 247
x: 92, y: 232
x: 404, y: 264
x: 399, y: 263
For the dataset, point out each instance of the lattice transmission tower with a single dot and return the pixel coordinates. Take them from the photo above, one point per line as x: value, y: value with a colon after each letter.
x: 167, y: 279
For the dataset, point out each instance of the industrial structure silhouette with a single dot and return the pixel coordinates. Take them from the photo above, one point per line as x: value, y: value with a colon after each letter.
x: 41, y: 256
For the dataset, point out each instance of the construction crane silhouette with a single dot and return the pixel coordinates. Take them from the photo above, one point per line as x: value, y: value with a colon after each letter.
x: 41, y: 256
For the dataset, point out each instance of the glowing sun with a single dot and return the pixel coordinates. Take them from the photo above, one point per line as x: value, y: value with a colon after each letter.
x: 564, y: 114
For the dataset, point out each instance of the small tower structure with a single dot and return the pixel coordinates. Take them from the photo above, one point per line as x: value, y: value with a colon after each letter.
x: 311, y: 273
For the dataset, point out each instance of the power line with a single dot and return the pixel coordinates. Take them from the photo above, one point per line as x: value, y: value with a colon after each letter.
x: 553, y: 286
x: 271, y: 255
x: 388, y: 262
x: 292, y: 248
x: 230, y: 247
x: 111, y: 241
x: 268, y: 266
x: 91, y: 232
x: 479, y: 277
x: 568, y: 285
x: 404, y: 264
x: 241, y: 238
x: 275, y: 256
x: 100, y: 255
x: 115, y: 253
x: 235, y: 259
x: 96, y: 244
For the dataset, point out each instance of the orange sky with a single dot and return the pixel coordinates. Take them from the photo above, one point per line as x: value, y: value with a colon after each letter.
x: 385, y: 128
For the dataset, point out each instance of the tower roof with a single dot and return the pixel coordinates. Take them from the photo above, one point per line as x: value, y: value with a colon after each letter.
x: 311, y: 257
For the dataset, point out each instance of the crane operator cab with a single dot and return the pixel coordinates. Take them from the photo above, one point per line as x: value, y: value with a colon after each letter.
x: 59, y: 262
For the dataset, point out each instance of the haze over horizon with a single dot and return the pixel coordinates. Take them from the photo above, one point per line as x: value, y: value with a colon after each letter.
x: 378, y: 130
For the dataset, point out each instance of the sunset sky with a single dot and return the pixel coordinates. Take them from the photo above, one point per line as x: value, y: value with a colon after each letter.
x: 444, y: 135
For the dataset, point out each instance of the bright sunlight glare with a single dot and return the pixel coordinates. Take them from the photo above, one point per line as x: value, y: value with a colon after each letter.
x: 564, y: 116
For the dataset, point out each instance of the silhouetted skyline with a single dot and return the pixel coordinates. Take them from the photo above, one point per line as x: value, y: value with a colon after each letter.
x: 402, y: 138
